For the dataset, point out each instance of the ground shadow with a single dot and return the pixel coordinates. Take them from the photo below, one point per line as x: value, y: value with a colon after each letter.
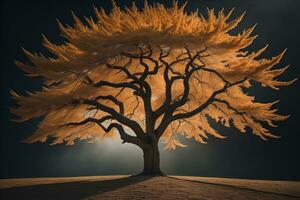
x: 72, y: 190
x: 238, y: 187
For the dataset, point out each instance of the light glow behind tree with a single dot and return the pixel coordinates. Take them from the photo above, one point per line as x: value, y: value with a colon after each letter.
x: 146, y: 74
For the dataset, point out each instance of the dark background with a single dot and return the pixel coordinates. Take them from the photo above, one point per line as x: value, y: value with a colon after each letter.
x: 238, y: 156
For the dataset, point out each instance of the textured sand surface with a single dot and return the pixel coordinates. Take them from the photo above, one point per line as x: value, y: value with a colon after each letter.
x: 280, y: 187
x: 124, y: 187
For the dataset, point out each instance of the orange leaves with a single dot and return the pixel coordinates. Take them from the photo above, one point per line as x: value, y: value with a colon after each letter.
x: 92, y: 44
x: 117, y: 31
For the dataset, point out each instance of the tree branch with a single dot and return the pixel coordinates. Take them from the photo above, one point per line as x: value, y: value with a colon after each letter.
x: 129, y: 85
x: 168, y: 115
x: 117, y: 116
x: 89, y: 120
x: 114, y: 100
x: 134, y: 109
x: 169, y: 82
x: 206, y: 103
x: 232, y: 108
x: 124, y: 136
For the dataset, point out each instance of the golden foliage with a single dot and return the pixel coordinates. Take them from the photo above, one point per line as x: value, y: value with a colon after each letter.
x: 89, y: 47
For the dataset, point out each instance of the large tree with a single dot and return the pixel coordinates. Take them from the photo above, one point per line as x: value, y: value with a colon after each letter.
x: 147, y: 74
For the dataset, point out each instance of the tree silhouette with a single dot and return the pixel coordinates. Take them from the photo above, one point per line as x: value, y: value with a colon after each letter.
x: 147, y: 74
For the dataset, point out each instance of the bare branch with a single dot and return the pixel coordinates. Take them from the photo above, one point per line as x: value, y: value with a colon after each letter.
x: 119, y: 93
x: 129, y: 85
x: 230, y: 107
x: 114, y: 100
x: 88, y: 120
x: 215, y: 72
x: 124, y: 69
x: 186, y: 80
x: 169, y: 82
x: 135, y: 108
x: 207, y: 102
x: 124, y: 136
x: 117, y: 116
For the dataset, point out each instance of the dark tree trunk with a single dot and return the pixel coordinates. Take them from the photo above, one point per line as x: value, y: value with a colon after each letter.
x: 151, y: 161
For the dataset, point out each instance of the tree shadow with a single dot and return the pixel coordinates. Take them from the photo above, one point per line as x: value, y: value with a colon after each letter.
x: 71, y: 190
x: 239, y: 187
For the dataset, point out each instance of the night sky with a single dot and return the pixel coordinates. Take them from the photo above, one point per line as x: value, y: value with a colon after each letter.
x: 238, y: 156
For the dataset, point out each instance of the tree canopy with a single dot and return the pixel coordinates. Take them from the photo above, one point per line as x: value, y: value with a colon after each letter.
x: 157, y: 71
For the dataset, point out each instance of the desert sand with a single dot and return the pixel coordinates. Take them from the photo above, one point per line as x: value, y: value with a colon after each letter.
x: 125, y: 187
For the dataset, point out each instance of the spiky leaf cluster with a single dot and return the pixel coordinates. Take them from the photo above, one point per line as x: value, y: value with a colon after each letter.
x: 94, y: 44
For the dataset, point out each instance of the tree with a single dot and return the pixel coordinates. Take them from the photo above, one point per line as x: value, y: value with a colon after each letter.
x: 147, y: 74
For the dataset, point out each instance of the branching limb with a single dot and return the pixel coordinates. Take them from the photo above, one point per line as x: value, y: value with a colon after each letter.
x: 169, y: 117
x: 168, y: 81
x: 143, y: 75
x: 117, y: 116
x: 102, y: 83
x: 186, y: 79
x: 134, y: 109
x: 114, y: 100
x: 207, y: 102
x: 124, y: 69
x: 231, y: 107
x: 89, y: 120
x: 124, y: 136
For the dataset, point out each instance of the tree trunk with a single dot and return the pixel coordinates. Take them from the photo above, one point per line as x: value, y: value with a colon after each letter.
x: 151, y: 161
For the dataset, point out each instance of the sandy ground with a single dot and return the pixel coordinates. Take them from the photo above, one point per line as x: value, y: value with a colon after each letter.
x: 124, y: 187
